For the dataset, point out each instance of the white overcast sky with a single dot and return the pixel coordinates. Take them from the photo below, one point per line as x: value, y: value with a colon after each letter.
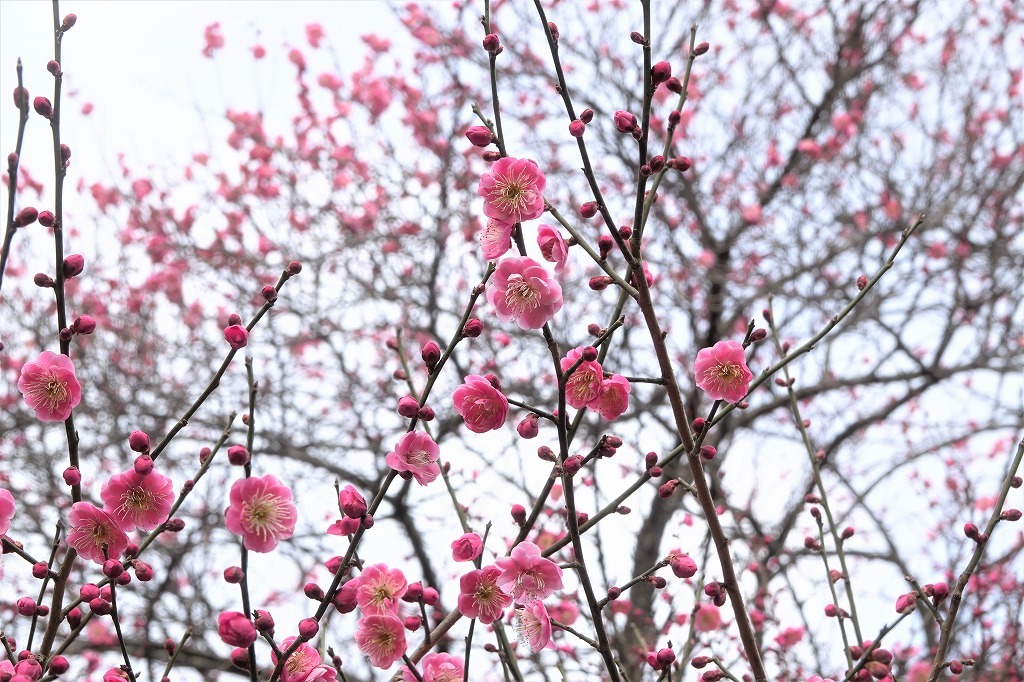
x: 141, y: 65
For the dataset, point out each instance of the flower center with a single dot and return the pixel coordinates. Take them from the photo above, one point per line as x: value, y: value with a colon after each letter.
x: 513, y: 196
x: 581, y: 384
x: 136, y: 500
x: 263, y: 515
x: 298, y: 662
x: 728, y: 372
x: 419, y: 458
x: 382, y: 594
x: 520, y: 297
x: 527, y: 626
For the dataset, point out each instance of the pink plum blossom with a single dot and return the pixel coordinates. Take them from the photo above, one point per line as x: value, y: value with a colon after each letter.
x: 437, y: 667
x: 137, y: 501
x: 482, y: 406
x: 496, y: 238
x: 534, y: 625
x: 583, y: 386
x: 480, y: 597
x: 415, y: 455
x: 721, y: 371
x: 304, y: 665
x: 379, y: 588
x: 381, y: 639
x: 526, y: 575
x: 614, y: 397
x: 467, y: 547
x: 552, y: 246
x: 707, y: 618
x: 7, y: 508
x: 521, y: 290
x: 91, y: 529
x: 513, y: 190
x: 261, y: 512
x: 50, y: 387
x: 235, y: 629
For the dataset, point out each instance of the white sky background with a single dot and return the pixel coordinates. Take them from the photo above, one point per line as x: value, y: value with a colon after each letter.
x: 142, y: 67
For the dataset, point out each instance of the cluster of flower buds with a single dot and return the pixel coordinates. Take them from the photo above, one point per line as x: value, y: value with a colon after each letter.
x: 877, y: 664
x: 626, y: 122
x: 661, y: 659
x: 717, y: 592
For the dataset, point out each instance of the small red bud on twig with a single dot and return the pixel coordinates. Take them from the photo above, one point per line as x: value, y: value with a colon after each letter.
x: 43, y: 107
x: 701, y: 48
x: 68, y: 22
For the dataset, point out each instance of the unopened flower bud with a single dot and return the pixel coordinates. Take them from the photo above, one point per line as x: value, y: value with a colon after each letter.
x: 661, y: 72
x: 831, y: 610
x: 594, y: 329
x: 681, y: 163
x: 577, y: 128
x: 668, y: 488
x: 698, y: 425
x: 237, y: 336
x: 47, y: 219
x: 408, y: 406
x: 26, y: 606
x: 674, y: 85
x: 605, y: 245
x: 238, y: 455
x: 143, y: 571
x: 143, y: 465
x: 971, y: 531
x: 65, y: 155
x: 54, y: 68
x: 412, y: 623
x: 588, y: 209
x: 1010, y: 515
x: 572, y: 465
x: 657, y: 163
x: 546, y: 454
x: 519, y: 514
x: 308, y: 627
x: 73, y: 265
x: 84, y: 324
x: 657, y: 582
x: 58, y: 665
x: 614, y: 593
x: 956, y: 667
x: 240, y: 658
x: 490, y: 156
x: 479, y: 136
x: 72, y: 476
x: 554, y: 30
x: 431, y: 354
x: 847, y: 533
x: 68, y: 22
x: 625, y: 122
x: 587, y: 115
x: 655, y: 472
x: 701, y: 48
x: 637, y: 37
x: 26, y: 216
x: 625, y: 232
x: 528, y: 427
x: 646, y: 171
x: 425, y: 413
x: 650, y: 460
x: 491, y: 43
x: 353, y: 505
x: 43, y: 107
x: 294, y: 267
x: 366, y: 521
x: 269, y: 294
x: 474, y: 326
x: 175, y: 525
x: 674, y: 116
x: 430, y: 596
x: 682, y: 566
x: 708, y: 452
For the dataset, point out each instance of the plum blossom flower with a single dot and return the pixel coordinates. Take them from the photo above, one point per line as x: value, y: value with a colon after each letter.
x: 437, y: 667
x: 583, y: 386
x: 50, y: 387
x: 513, y: 190
x: 614, y: 397
x: 707, y: 618
x: 379, y: 589
x: 261, y: 512
x: 482, y: 406
x: 304, y: 665
x: 534, y: 625
x: 7, y: 508
x: 552, y: 246
x: 496, y: 238
x: 91, y: 529
x: 235, y: 629
x: 522, y: 290
x: 381, y: 638
x: 480, y: 597
x: 722, y: 372
x: 526, y: 575
x: 467, y: 547
x: 415, y: 455
x: 137, y: 501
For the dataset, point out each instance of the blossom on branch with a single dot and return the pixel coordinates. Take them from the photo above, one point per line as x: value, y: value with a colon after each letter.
x: 583, y: 387
x: 261, y: 512
x: 482, y: 406
x: 379, y: 588
x: 480, y: 597
x: 304, y: 665
x: 533, y: 624
x: 381, y: 639
x: 50, y: 387
x: 137, y: 501
x: 722, y: 372
x: 496, y: 238
x: 415, y: 456
x: 526, y: 575
x: 513, y: 190
x: 614, y: 397
x: 93, y: 530
x: 7, y: 508
x: 437, y: 667
x: 553, y: 247
x: 521, y: 290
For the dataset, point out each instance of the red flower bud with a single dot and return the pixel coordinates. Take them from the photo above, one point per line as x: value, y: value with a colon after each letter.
x: 479, y: 136
x: 431, y: 354
x: 72, y: 476
x: 73, y: 265
x: 625, y: 122
x: 308, y: 627
x: 237, y: 336
x: 637, y: 37
x: 143, y: 465
x: 577, y: 128
x: 682, y: 566
x: 425, y: 413
x: 661, y: 72
x: 589, y: 209
x: 269, y: 294
x: 43, y: 107
x: 528, y: 428
x: 84, y: 324
x: 412, y: 623
x: 681, y: 163
x: 238, y: 455
x: 708, y: 452
x: 68, y: 22
x: 54, y: 68
x: 26, y: 216
x: 701, y: 48
x: 674, y: 85
x: 519, y: 514
x: 20, y: 101
x: 408, y: 407
x: 1010, y: 515
x: 572, y: 465
x: 474, y: 326
x: 294, y: 267
x: 47, y: 219
x: 491, y: 43
x: 353, y: 505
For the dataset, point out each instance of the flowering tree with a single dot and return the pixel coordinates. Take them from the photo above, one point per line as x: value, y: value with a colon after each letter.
x: 730, y: 307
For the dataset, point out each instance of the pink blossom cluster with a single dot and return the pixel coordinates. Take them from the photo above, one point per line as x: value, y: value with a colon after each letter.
x: 588, y: 386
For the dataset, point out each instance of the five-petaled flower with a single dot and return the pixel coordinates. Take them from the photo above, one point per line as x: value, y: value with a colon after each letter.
x: 482, y: 406
x: 614, y: 398
x: 137, y: 501
x: 261, y: 512
x: 480, y: 597
x: 583, y: 387
x: 304, y: 665
x: 722, y: 372
x: 533, y: 625
x: 522, y: 290
x: 496, y: 238
x: 415, y: 456
x: 381, y: 638
x: 513, y: 190
x: 437, y: 667
x: 50, y: 386
x: 95, y: 533
x: 553, y: 246
x: 379, y: 588
x: 526, y: 575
